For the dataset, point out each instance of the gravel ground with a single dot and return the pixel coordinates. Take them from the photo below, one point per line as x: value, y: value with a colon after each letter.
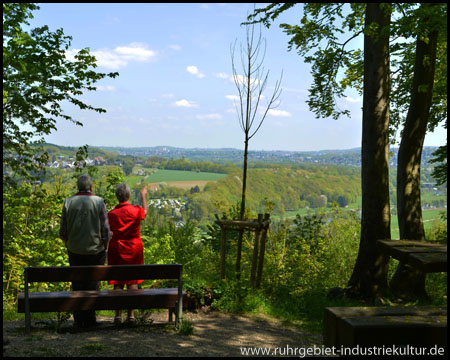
x: 215, y: 334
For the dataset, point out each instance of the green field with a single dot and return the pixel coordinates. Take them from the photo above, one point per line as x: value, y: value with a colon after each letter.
x: 132, y: 180
x: 167, y: 176
x: 428, y: 216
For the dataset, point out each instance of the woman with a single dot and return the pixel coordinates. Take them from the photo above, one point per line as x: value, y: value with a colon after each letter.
x: 126, y: 247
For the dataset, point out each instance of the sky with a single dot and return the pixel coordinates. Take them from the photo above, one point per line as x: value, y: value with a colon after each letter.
x: 175, y: 84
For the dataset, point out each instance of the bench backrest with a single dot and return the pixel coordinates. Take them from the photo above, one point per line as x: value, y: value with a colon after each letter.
x: 103, y: 272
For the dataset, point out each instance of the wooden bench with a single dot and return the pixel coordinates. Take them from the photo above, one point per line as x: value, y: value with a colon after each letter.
x: 425, y: 256
x: 61, y: 301
x: 424, y: 326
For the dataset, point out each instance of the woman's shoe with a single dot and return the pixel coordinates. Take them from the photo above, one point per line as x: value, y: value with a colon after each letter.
x: 118, y: 320
x: 131, y: 320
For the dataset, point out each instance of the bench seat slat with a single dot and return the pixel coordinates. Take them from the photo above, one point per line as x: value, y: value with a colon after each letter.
x: 103, y: 272
x: 429, y: 262
x: 100, y: 300
x: 377, y: 326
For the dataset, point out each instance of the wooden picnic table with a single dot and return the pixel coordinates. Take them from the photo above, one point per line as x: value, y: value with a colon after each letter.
x: 425, y: 256
x: 419, y: 326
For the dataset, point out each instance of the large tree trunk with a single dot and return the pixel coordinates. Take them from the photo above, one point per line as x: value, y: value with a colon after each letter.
x: 369, y: 276
x: 407, y: 282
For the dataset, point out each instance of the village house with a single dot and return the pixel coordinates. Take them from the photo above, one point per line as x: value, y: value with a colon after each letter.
x: 99, y: 161
x: 141, y: 172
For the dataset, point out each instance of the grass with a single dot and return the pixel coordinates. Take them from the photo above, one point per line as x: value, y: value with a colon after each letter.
x: 303, y: 312
x: 171, y: 176
x: 428, y: 216
x: 132, y: 180
x: 186, y: 328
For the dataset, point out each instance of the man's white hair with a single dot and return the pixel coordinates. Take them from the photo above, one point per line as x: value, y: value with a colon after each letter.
x: 84, y: 182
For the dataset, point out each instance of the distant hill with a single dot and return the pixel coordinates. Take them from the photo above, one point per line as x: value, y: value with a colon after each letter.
x: 68, y: 151
x: 228, y: 154
x: 348, y: 157
x: 351, y: 157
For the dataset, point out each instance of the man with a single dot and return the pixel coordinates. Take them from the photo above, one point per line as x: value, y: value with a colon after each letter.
x: 85, y: 231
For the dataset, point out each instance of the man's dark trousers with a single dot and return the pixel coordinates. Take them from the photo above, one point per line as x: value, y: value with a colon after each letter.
x: 86, y: 318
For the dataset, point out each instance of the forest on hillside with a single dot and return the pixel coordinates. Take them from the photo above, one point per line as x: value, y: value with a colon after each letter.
x: 284, y: 188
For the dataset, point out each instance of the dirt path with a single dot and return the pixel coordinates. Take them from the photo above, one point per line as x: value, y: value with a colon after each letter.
x: 215, y: 334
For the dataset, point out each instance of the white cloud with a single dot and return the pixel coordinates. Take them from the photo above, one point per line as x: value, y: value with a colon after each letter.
x: 109, y: 60
x: 185, y: 103
x: 352, y: 100
x: 222, y: 76
x: 240, y: 78
x: 167, y: 96
x: 106, y: 88
x: 194, y: 71
x: 209, y: 117
x: 118, y: 57
x: 279, y: 113
x: 236, y: 97
x: 70, y: 54
x: 135, y: 51
x: 232, y: 97
x: 243, y: 80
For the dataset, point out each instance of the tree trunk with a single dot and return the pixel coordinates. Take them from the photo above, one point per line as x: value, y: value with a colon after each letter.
x: 407, y: 282
x: 241, y: 215
x: 369, y: 276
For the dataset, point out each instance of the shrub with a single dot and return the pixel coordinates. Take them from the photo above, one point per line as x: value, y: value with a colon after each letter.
x: 31, y: 218
x: 185, y: 328
x: 311, y: 255
x: 438, y: 231
x: 236, y: 296
x: 158, y: 251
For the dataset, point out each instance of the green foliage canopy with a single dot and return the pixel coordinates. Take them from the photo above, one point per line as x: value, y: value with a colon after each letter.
x: 323, y: 38
x: 31, y: 217
x: 37, y: 77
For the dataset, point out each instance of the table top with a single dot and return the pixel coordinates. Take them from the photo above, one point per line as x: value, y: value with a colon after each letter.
x: 426, y: 256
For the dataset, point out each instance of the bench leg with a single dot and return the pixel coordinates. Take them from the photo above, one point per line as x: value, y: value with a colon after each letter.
x: 178, y: 314
x: 177, y: 317
x: 171, y: 314
x: 27, y: 305
x: 27, y: 322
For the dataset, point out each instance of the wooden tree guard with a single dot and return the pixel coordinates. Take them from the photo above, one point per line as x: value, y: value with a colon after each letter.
x: 260, y: 227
